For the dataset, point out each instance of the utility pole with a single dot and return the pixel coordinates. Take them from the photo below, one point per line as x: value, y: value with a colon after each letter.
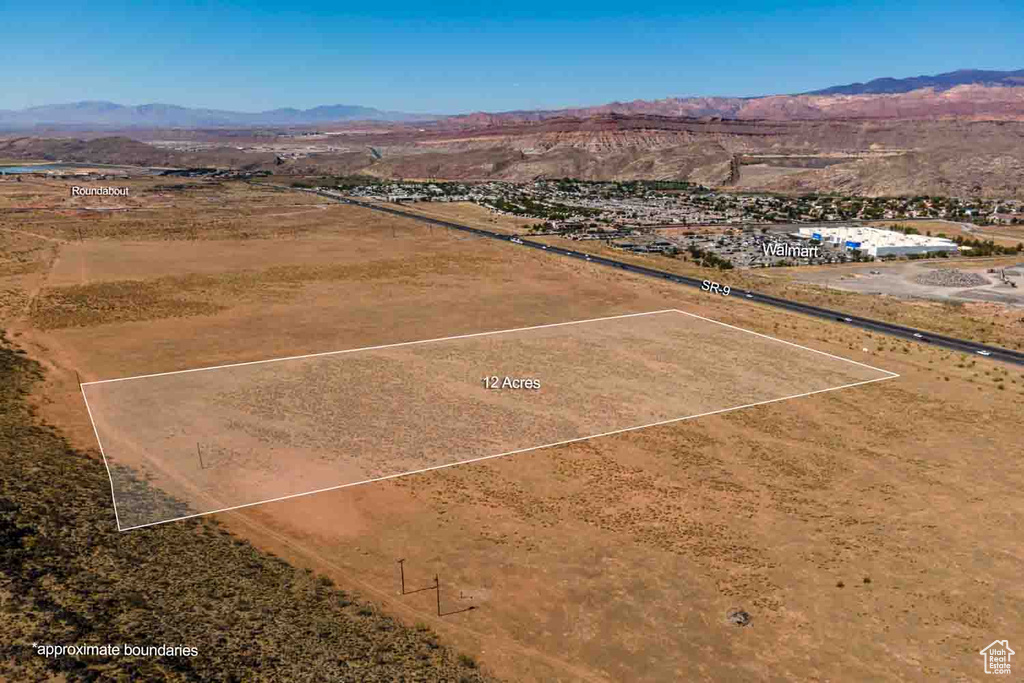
x: 401, y: 569
x: 200, y: 454
x: 437, y: 585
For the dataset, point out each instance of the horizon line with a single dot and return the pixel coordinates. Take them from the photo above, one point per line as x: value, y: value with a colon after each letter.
x: 563, y: 107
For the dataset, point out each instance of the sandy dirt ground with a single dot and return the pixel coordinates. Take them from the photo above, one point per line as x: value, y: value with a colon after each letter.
x: 901, y: 280
x: 755, y: 175
x: 870, y: 533
x: 475, y: 215
x: 289, y: 427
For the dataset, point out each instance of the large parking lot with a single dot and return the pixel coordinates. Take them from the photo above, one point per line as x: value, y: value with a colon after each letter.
x: 743, y: 246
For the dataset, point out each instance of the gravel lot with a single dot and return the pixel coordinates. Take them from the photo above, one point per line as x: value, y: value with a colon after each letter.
x: 951, y: 277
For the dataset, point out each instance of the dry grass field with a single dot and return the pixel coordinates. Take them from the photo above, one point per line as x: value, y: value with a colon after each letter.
x: 292, y: 426
x: 67, y: 577
x: 870, y: 533
x: 472, y: 214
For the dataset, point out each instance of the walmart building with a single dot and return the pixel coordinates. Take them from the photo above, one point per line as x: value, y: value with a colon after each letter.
x: 876, y: 242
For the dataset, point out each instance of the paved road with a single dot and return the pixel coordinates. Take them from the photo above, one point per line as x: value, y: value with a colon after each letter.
x: 893, y: 330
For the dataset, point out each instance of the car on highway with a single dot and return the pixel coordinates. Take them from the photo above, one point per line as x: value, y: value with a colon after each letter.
x: 919, y: 335
x: 849, y: 320
x: 984, y: 353
x: 750, y: 296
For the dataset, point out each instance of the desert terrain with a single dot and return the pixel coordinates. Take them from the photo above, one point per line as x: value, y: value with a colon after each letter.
x: 861, y: 530
x: 286, y: 427
x: 931, y: 281
x: 468, y: 213
x: 957, y: 155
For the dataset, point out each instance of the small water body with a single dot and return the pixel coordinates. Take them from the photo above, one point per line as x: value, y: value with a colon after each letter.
x: 40, y: 168
x: 59, y: 167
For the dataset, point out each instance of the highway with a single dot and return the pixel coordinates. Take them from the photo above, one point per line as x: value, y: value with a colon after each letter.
x: 891, y: 329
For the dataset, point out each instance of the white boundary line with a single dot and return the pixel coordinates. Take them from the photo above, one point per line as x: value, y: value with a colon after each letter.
x: 96, y: 431
x: 500, y: 455
x: 805, y: 348
x: 890, y: 375
x: 383, y: 346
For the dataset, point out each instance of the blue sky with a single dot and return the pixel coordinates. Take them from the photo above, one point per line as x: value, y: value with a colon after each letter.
x: 447, y: 57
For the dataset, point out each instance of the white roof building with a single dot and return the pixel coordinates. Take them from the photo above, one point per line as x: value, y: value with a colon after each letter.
x: 876, y: 242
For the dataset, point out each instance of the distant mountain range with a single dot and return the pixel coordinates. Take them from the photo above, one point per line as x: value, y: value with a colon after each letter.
x: 112, y: 115
x: 968, y: 92
x: 940, y: 82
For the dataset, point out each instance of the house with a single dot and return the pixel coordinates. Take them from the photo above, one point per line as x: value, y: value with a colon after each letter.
x: 997, y: 656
